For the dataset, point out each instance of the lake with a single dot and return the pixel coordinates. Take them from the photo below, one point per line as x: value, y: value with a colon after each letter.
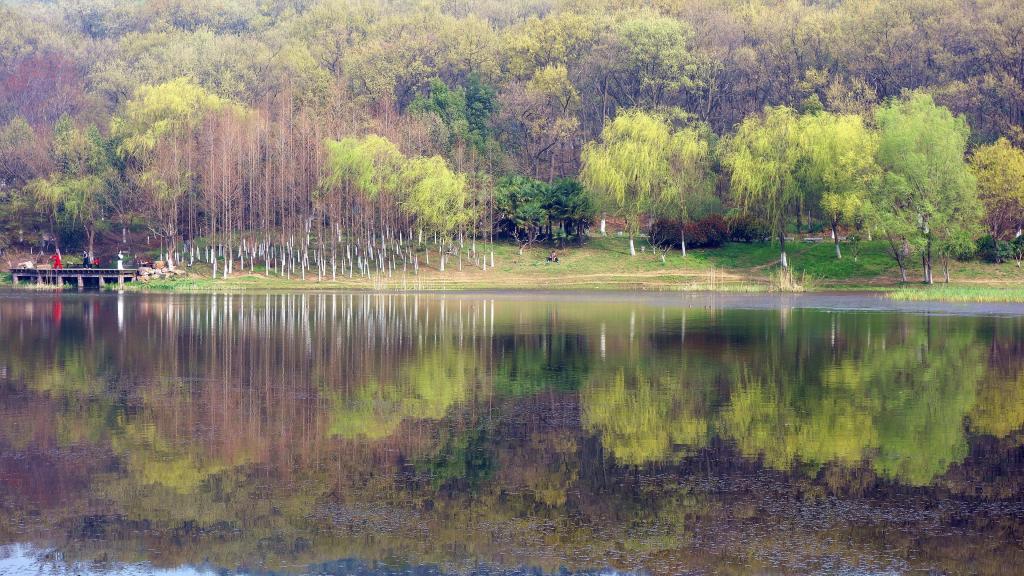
x: 509, y: 433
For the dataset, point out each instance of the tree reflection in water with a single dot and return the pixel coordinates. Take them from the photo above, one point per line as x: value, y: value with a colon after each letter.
x: 282, y: 432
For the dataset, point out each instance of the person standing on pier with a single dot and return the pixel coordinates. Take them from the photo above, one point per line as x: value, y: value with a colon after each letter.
x: 57, y: 264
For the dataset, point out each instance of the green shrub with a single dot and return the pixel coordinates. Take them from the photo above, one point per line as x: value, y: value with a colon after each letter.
x: 994, y: 250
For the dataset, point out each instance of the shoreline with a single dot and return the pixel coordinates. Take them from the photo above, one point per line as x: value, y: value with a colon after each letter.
x: 836, y: 300
x: 603, y: 265
x: 896, y: 297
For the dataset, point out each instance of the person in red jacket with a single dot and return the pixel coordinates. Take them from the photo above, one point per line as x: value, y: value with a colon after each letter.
x: 57, y: 264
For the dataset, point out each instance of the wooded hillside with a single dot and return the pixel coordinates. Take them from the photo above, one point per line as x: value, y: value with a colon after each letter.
x: 350, y: 134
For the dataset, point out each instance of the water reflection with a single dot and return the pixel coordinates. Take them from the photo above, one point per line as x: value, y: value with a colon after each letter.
x: 278, y: 432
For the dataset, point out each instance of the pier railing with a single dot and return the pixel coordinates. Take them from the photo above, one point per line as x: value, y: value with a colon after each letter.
x: 77, y: 276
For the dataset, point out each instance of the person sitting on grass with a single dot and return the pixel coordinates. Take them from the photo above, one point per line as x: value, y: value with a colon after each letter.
x: 553, y: 257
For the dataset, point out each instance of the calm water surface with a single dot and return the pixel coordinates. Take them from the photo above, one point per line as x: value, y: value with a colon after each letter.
x: 496, y: 433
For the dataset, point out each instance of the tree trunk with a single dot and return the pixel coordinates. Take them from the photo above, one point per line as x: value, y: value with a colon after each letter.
x: 682, y: 240
x: 927, y: 260
x: 897, y: 251
x: 782, y: 248
x: 90, y: 235
x: 632, y: 248
x: 835, y: 237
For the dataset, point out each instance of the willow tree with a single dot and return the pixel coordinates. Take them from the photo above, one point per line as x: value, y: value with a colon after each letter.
x: 359, y: 191
x: 638, y: 163
x: 837, y: 161
x: 928, y: 191
x: 762, y: 160
x: 437, y: 198
x: 156, y: 134
x: 81, y: 190
x: 690, y: 160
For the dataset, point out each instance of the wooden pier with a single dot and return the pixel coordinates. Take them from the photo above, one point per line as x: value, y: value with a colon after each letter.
x: 80, y: 277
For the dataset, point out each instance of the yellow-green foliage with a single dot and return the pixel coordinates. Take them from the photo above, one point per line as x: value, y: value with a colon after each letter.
x: 425, y: 389
x: 163, y: 110
x: 999, y: 168
x: 643, y: 418
x: 436, y: 195
x: 838, y: 154
x: 640, y: 162
x: 762, y: 158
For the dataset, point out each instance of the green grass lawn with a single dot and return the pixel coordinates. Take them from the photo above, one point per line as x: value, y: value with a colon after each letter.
x: 816, y: 260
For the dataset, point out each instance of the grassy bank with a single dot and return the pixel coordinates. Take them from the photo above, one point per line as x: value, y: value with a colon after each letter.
x: 605, y: 264
x: 955, y: 293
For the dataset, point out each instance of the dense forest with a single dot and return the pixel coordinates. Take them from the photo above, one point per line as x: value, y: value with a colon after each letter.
x: 340, y: 137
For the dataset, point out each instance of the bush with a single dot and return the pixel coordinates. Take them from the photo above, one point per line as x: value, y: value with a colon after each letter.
x: 994, y: 250
x: 709, y: 232
x: 665, y: 233
x: 745, y: 228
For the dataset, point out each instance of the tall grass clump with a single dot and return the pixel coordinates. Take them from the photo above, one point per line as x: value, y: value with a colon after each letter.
x: 947, y: 293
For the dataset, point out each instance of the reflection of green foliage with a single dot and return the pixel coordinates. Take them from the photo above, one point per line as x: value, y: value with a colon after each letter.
x: 805, y: 388
x: 641, y: 417
x: 999, y: 410
x: 426, y: 387
x: 557, y: 362
x: 899, y: 401
x: 768, y: 421
x: 921, y: 423
x: 154, y: 460
x: 465, y: 457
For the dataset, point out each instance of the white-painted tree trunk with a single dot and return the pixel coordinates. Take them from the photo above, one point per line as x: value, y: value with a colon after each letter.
x: 785, y: 261
x: 603, y: 232
x: 632, y: 248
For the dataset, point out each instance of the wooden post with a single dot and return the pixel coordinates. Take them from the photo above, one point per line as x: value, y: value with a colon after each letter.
x: 102, y: 283
x: 81, y: 282
x: 120, y: 281
x: 39, y: 279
